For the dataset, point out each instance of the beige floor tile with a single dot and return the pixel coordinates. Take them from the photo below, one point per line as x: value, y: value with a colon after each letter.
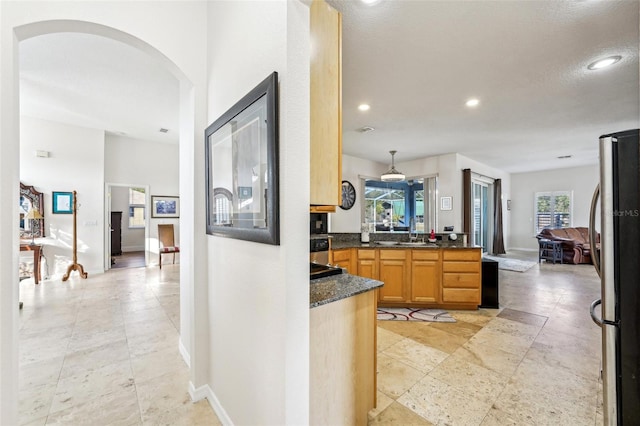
x: 82, y: 341
x: 84, y: 387
x: 460, y: 328
x: 479, y: 317
x: 420, y: 357
x: 489, y: 356
x: 161, y: 394
x: 189, y: 414
x: 36, y: 422
x: 404, y: 328
x: 395, y: 377
x: 472, y: 379
x: 517, y: 345
x: 387, y: 338
x: 438, y: 339
x: 523, y: 317
x: 152, y: 342
x: 497, y: 417
x: 117, y: 408
x: 41, y: 373
x: 34, y: 403
x: 397, y: 414
x: 155, y: 364
x: 442, y: 404
x: 92, y: 359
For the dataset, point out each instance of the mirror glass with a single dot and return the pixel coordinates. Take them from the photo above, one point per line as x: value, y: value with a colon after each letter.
x: 30, y: 198
x: 407, y: 206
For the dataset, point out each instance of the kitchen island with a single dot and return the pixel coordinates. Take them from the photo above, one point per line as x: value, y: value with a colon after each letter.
x: 342, y: 328
x: 444, y: 275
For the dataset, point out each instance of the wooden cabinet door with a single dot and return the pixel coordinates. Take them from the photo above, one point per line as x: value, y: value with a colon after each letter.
x: 326, y: 104
x: 393, y: 273
x: 342, y: 258
x: 425, y: 281
x: 368, y: 268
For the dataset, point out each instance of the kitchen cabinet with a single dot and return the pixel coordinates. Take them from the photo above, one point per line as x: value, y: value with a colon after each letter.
x: 367, y: 263
x: 461, y: 276
x: 394, y: 273
x: 425, y: 276
x: 325, y: 106
x: 342, y: 258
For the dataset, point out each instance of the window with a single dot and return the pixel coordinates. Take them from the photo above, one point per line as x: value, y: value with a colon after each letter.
x: 400, y: 206
x: 137, y: 203
x: 552, y: 209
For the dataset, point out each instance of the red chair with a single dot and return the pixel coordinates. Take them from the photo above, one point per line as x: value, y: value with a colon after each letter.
x: 166, y: 242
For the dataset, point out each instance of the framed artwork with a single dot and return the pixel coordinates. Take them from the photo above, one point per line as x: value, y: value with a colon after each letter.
x: 165, y: 206
x: 242, y: 174
x: 62, y: 202
x: 446, y: 203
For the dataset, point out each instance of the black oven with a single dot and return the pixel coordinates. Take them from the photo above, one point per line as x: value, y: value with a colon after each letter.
x: 319, y: 259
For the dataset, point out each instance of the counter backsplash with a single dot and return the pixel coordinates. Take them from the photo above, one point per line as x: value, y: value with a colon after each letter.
x: 342, y: 238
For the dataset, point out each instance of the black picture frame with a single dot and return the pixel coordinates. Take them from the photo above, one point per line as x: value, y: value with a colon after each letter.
x: 242, y: 168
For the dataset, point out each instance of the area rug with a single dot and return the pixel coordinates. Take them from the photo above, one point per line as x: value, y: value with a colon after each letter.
x: 516, y: 265
x: 413, y: 314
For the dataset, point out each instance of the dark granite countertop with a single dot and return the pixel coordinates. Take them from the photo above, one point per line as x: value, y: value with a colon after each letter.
x: 337, y: 287
x: 337, y: 245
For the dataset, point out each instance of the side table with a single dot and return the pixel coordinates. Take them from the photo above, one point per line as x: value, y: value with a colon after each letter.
x: 550, y: 250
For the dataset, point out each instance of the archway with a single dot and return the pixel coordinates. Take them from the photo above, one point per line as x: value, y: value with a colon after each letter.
x: 9, y: 152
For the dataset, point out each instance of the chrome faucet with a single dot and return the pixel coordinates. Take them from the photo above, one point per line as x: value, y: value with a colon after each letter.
x: 412, y: 230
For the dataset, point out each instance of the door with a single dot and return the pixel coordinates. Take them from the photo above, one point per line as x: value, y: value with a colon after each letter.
x: 481, y: 222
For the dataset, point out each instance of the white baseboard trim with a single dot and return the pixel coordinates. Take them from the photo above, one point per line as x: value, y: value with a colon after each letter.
x: 185, y: 353
x: 523, y: 249
x: 205, y: 391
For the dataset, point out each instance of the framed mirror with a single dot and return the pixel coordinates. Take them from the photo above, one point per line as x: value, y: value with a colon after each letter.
x: 30, y: 198
x: 242, y: 168
x: 407, y: 206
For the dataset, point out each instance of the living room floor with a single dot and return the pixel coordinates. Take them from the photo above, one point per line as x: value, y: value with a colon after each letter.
x: 105, y: 351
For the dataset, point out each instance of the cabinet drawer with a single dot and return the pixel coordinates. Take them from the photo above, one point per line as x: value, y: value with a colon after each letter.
x: 366, y: 254
x: 468, y: 280
x: 460, y: 295
x: 339, y: 255
x: 461, y: 266
x: 393, y: 254
x: 425, y: 254
x: 460, y: 254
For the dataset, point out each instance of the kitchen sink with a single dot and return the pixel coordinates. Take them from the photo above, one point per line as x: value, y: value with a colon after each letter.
x: 417, y: 244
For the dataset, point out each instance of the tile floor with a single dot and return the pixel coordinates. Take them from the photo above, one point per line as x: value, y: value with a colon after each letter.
x: 534, y: 361
x: 104, y: 351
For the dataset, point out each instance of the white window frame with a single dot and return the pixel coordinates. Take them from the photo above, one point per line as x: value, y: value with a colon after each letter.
x: 552, y: 194
x: 138, y: 206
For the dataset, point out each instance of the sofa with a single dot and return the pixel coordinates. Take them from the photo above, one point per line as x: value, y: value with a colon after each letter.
x: 575, y: 243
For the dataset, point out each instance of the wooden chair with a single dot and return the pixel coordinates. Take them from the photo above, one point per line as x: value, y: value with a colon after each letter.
x: 166, y: 242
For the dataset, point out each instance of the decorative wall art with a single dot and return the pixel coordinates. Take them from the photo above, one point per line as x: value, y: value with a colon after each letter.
x: 62, y: 202
x: 165, y: 206
x: 445, y: 203
x: 242, y: 168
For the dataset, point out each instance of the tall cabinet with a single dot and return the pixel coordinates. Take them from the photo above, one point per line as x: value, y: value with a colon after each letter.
x: 326, y: 106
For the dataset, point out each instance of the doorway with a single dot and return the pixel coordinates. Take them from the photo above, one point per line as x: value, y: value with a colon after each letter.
x: 482, y: 212
x: 127, y: 230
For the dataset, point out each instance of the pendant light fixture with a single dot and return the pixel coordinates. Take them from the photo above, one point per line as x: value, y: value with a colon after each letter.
x: 392, y: 175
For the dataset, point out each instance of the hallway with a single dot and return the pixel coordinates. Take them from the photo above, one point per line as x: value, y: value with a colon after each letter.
x: 105, y: 351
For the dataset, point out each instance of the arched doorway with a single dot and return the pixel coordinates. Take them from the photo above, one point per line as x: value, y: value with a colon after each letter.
x: 9, y: 152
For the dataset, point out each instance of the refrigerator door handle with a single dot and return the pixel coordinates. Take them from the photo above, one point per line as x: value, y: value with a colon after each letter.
x: 599, y: 321
x: 592, y: 309
x: 595, y: 254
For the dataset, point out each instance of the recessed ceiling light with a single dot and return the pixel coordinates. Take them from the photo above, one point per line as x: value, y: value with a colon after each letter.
x: 473, y: 102
x: 369, y: 2
x: 364, y: 107
x: 603, y: 63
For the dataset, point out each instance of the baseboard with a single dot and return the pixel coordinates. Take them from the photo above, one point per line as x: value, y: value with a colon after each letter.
x: 523, y: 249
x: 128, y: 249
x: 185, y: 353
x: 205, y: 391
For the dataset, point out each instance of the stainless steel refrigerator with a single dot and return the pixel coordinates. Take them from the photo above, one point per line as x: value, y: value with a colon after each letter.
x: 618, y: 264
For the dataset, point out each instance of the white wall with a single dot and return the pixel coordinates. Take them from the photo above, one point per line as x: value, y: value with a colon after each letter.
x: 581, y: 181
x: 259, y: 293
x: 76, y: 162
x: 173, y: 32
x: 138, y: 162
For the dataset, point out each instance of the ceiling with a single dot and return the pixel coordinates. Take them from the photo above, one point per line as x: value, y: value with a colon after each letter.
x: 415, y: 63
